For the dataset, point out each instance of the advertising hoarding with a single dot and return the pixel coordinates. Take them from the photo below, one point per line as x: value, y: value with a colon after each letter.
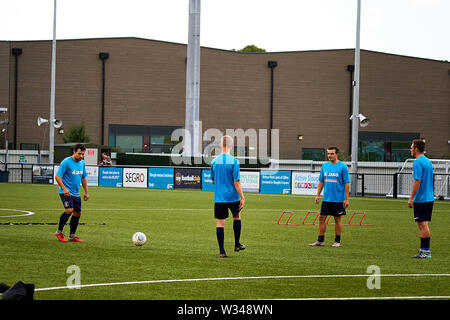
x: 92, y: 175
x: 43, y: 174
x: 250, y: 181
x: 207, y: 184
x: 305, y: 183
x: 110, y: 177
x: 188, y: 178
x: 276, y: 182
x: 160, y: 178
x: 135, y: 177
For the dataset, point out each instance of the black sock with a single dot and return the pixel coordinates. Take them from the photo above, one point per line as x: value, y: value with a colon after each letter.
x: 337, y: 238
x: 220, y: 238
x: 237, y: 232
x: 74, y: 224
x: 425, y: 243
x: 321, y: 238
x: 63, y: 220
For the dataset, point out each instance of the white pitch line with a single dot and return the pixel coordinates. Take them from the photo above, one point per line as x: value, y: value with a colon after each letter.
x: 27, y: 213
x: 243, y: 278
x: 210, y: 209
x: 371, y: 298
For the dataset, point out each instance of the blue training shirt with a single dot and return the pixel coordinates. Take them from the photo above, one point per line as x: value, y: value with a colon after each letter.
x: 224, y: 172
x: 71, y: 172
x: 334, y: 178
x: 423, y: 171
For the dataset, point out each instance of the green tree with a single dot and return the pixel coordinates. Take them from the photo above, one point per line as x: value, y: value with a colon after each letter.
x: 345, y: 157
x: 76, y: 133
x: 252, y: 48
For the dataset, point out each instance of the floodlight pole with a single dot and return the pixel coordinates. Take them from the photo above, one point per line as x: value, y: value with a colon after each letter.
x: 193, y: 80
x: 52, y: 92
x: 355, y: 118
x: 6, y: 145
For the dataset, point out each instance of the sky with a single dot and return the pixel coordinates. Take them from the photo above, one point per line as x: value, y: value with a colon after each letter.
x: 418, y: 28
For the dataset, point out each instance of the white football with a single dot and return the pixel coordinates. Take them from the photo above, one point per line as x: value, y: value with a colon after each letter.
x: 139, y: 239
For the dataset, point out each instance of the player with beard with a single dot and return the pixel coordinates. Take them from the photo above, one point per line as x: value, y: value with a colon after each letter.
x: 72, y: 173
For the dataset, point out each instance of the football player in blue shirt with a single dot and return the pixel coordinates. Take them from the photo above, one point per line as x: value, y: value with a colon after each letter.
x: 71, y: 173
x: 228, y: 194
x: 334, y: 179
x: 422, y: 196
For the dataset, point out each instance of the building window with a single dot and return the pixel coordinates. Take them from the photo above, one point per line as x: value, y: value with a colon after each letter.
x: 146, y: 139
x: 400, y: 151
x: 371, y: 151
x: 385, y: 146
x: 161, y: 139
x: 127, y: 143
x: 315, y: 154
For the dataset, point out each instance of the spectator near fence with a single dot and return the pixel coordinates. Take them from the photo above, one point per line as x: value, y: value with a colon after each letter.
x: 106, y: 160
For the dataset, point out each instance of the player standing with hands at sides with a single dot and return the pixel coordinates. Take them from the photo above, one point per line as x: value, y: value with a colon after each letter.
x: 334, y: 179
x: 422, y: 196
x: 225, y: 174
x: 72, y: 173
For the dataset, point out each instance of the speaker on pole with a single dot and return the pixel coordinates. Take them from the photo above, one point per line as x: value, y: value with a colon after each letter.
x: 41, y: 121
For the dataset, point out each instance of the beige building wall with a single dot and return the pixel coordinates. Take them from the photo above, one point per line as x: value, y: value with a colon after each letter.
x: 146, y: 83
x: 4, y: 74
x: 404, y: 94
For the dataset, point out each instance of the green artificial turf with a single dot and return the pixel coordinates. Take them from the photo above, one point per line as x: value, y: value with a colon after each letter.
x: 182, y: 244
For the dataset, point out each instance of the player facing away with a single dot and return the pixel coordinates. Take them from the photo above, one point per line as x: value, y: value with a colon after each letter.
x: 422, y: 196
x: 71, y: 173
x: 334, y: 180
x: 228, y: 195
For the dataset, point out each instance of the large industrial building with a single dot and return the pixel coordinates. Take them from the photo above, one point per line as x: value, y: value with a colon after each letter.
x: 131, y: 94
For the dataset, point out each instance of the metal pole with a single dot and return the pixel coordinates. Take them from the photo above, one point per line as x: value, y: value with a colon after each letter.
x: 271, y: 112
x: 355, y: 120
x: 193, y: 80
x: 103, y: 102
x: 351, y: 70
x: 395, y: 186
x: 52, y: 92
x: 6, y: 147
x: 6, y: 155
x: 272, y: 65
x: 16, y: 84
x: 103, y: 56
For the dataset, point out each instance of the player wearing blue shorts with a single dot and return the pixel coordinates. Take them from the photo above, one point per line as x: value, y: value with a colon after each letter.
x: 228, y: 194
x: 422, y: 196
x: 334, y: 180
x: 71, y: 173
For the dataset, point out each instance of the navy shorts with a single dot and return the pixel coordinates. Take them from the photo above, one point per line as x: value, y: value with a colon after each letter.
x: 335, y: 209
x: 422, y: 211
x: 71, y: 202
x: 221, y: 209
